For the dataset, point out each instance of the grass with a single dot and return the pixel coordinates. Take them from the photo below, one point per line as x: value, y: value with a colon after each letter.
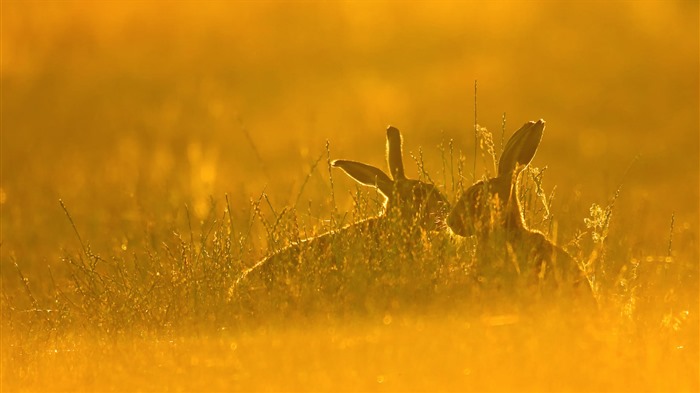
x: 144, y: 168
x: 360, y: 314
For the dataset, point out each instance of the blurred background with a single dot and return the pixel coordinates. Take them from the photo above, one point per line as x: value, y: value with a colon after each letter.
x: 128, y: 111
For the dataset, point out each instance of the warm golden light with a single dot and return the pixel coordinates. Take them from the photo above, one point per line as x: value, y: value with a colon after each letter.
x: 188, y: 141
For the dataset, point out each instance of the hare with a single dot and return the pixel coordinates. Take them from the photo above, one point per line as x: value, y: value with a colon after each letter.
x: 491, y: 210
x: 409, y: 204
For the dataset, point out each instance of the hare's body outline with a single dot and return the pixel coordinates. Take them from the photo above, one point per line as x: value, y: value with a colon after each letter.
x: 491, y: 208
x: 413, y: 203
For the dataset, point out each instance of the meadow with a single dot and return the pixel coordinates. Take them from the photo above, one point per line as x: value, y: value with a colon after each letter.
x: 150, y: 154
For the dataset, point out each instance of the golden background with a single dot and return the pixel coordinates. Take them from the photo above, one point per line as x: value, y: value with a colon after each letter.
x: 129, y: 111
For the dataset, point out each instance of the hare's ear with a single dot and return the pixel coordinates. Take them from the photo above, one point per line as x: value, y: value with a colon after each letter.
x: 394, y: 154
x: 521, y: 147
x: 367, y: 175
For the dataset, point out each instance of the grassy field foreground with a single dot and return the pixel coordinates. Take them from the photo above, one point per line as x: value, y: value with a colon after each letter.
x: 380, y: 312
x: 151, y: 155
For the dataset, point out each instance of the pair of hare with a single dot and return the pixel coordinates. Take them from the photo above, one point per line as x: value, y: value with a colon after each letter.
x: 489, y: 209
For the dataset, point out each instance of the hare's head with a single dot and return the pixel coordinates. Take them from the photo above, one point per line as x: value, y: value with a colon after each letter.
x: 493, y: 203
x: 412, y: 200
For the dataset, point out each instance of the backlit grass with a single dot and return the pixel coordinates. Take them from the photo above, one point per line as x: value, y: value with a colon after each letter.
x: 151, y: 155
